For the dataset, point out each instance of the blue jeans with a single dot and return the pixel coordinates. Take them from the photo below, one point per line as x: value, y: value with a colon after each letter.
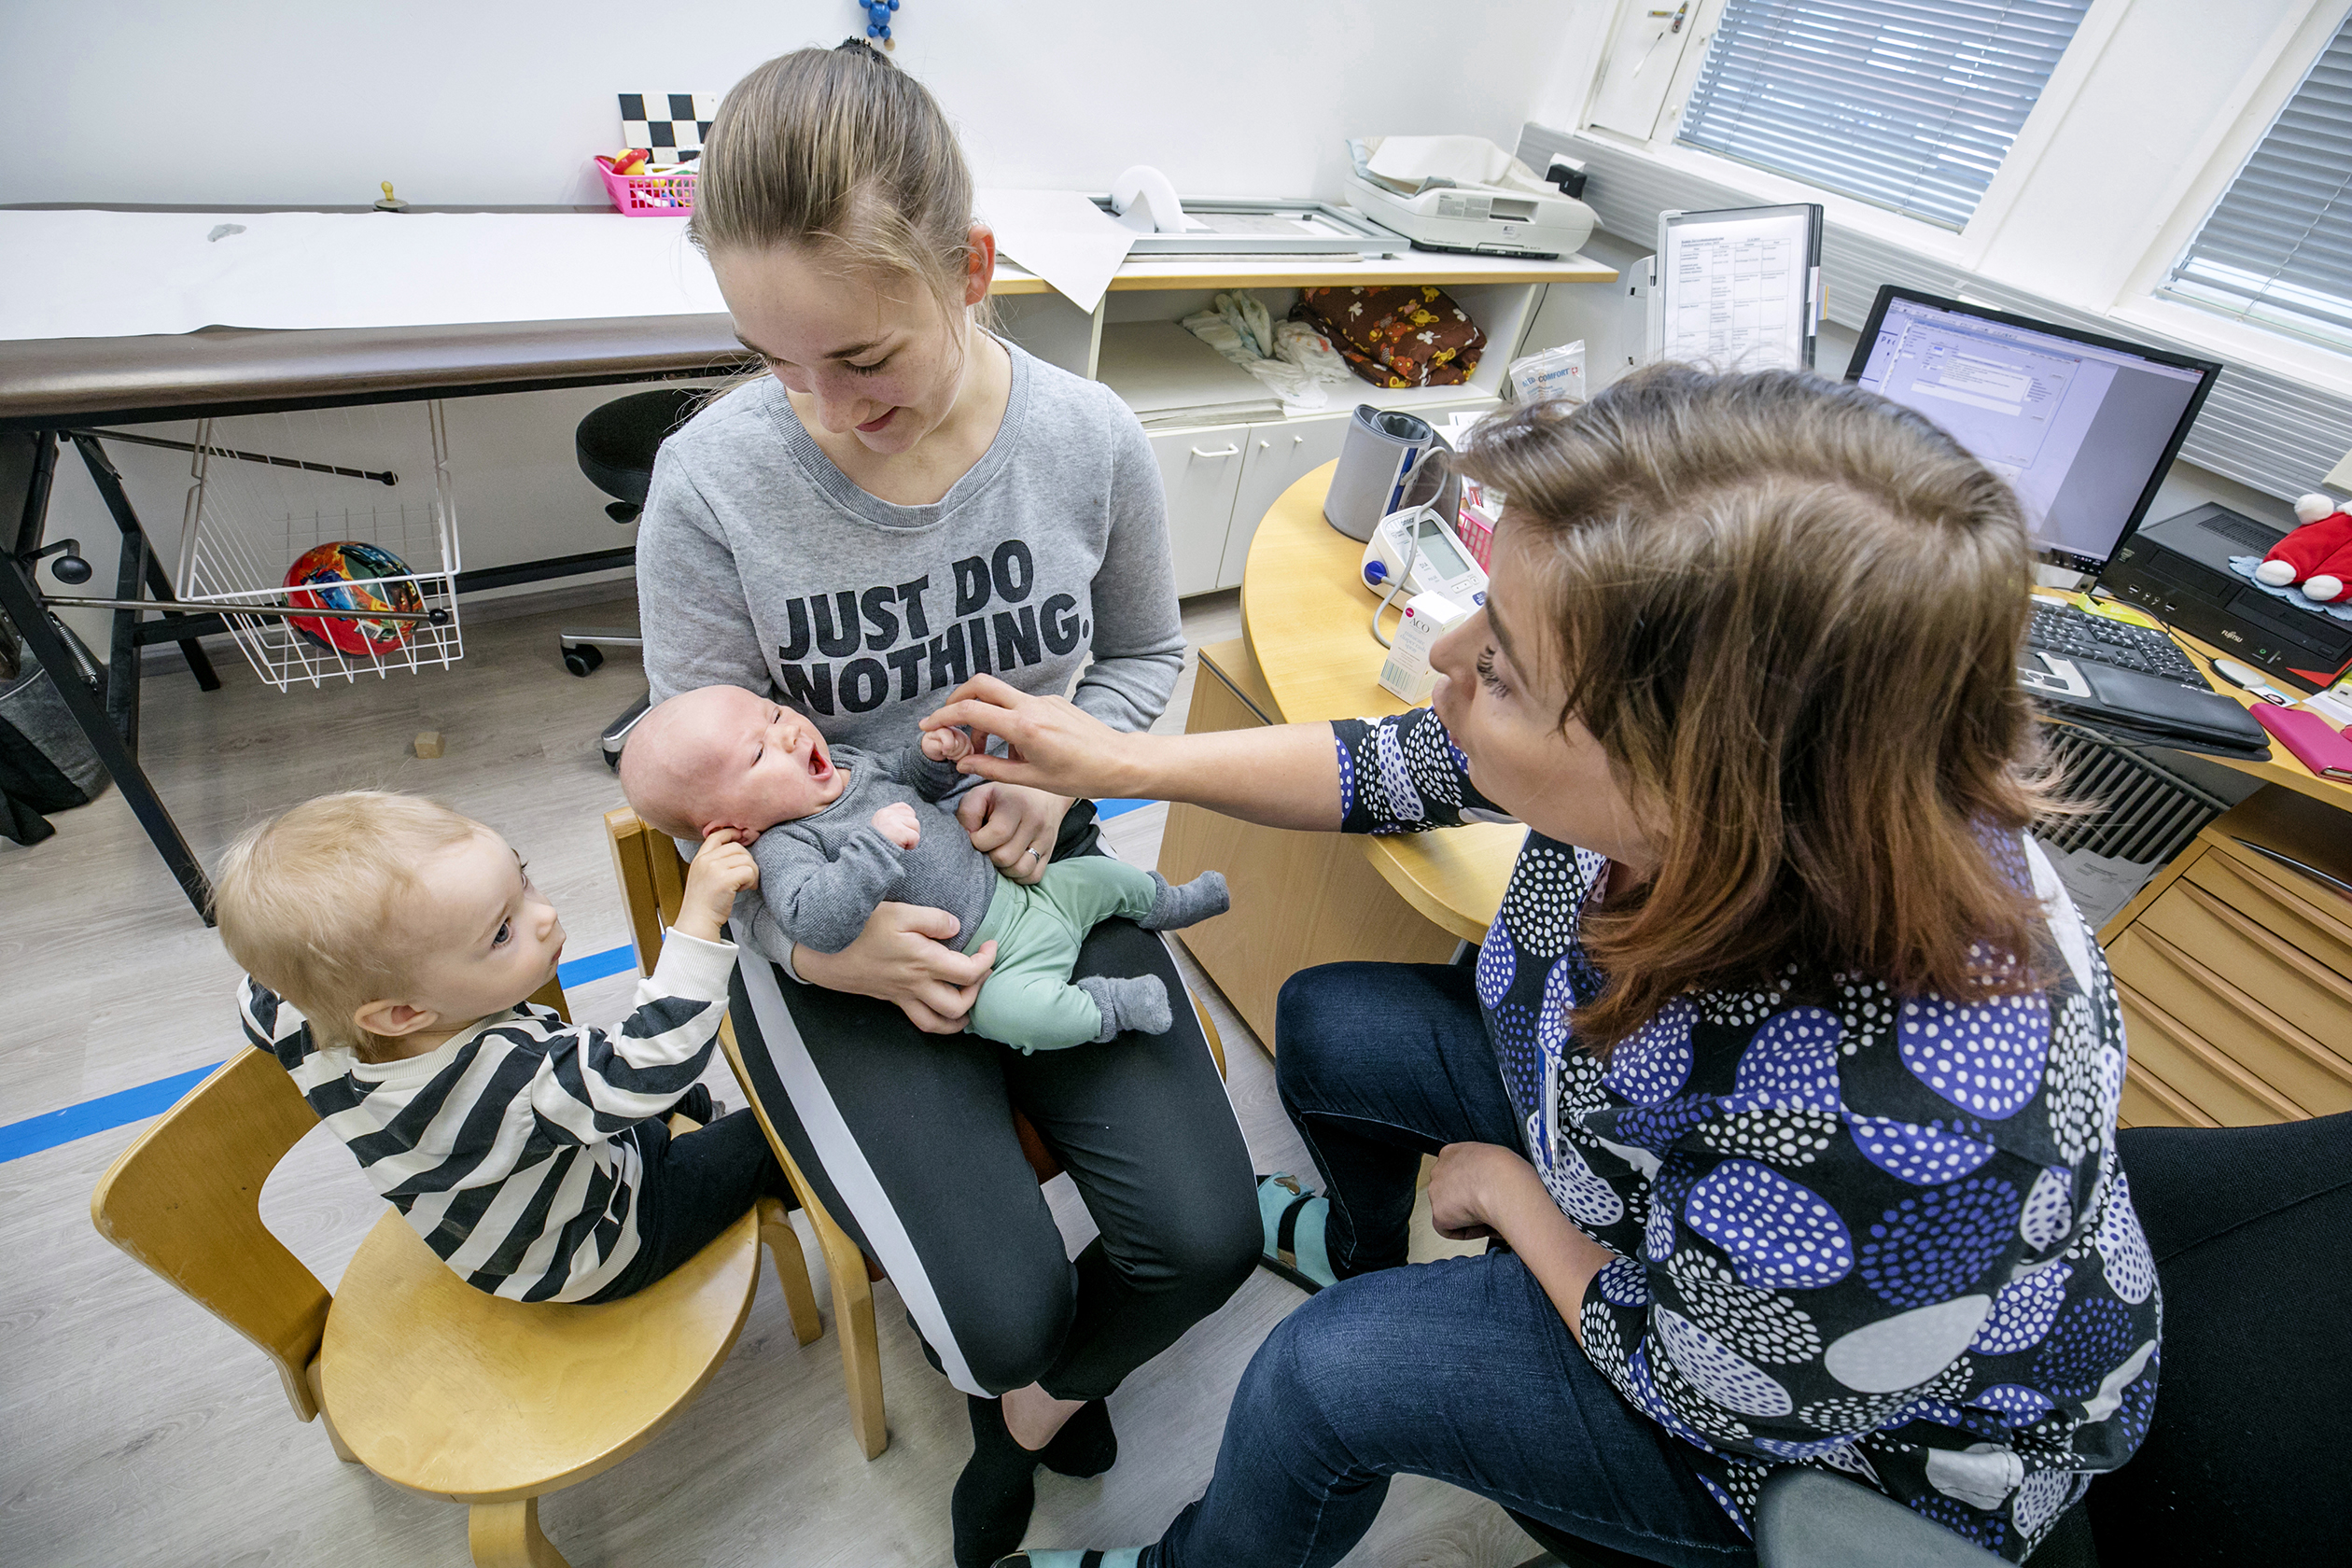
x: 1463, y: 1369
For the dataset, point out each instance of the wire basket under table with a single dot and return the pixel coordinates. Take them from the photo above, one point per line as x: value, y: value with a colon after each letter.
x: 268, y: 488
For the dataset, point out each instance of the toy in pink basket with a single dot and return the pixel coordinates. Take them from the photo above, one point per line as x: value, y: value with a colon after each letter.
x: 2318, y: 555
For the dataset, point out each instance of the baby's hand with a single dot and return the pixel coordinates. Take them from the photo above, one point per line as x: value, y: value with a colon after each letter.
x: 947, y: 744
x: 721, y: 868
x: 897, y: 822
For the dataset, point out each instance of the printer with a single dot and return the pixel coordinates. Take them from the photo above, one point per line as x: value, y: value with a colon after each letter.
x: 1461, y: 193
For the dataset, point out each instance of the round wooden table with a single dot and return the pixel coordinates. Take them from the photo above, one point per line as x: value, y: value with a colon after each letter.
x: 1308, y: 618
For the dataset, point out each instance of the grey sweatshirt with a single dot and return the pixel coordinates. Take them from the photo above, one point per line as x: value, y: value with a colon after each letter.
x: 760, y: 564
x: 820, y: 875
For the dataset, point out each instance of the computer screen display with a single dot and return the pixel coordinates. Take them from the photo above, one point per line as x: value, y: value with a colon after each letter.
x: 2082, y: 427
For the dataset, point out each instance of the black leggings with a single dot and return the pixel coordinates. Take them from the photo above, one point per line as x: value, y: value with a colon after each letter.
x: 908, y: 1140
x: 694, y: 1189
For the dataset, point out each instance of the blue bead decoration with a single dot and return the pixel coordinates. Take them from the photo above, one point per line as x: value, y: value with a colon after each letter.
x: 872, y: 31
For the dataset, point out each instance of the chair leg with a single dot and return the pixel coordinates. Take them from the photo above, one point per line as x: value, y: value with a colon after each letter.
x: 853, y: 1312
x: 508, y: 1535
x: 792, y: 1269
x: 318, y: 1397
x: 853, y: 1315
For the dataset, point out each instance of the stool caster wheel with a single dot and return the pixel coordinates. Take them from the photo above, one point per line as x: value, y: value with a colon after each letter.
x: 584, y: 659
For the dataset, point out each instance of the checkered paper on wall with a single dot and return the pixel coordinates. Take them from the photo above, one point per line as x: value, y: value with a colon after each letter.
x: 671, y: 124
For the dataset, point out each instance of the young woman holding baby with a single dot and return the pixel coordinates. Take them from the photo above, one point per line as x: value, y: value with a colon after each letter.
x: 907, y: 501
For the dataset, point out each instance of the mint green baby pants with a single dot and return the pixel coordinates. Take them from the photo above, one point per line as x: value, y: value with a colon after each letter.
x: 1028, y: 1000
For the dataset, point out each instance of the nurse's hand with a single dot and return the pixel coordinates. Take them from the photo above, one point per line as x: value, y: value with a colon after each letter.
x: 904, y: 957
x: 1057, y: 745
x: 1014, y: 826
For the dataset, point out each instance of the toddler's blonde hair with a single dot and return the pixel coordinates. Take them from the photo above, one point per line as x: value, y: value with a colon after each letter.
x: 309, y: 902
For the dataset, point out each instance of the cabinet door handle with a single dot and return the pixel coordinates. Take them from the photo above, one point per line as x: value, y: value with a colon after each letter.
x: 1228, y: 452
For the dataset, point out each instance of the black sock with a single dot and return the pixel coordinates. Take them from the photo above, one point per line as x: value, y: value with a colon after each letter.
x: 995, y: 1492
x: 1085, y: 1446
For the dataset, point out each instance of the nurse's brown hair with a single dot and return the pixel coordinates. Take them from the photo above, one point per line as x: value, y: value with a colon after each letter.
x: 1789, y: 610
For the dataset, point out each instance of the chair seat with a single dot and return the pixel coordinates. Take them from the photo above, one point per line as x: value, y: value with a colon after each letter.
x: 616, y: 443
x: 443, y: 1388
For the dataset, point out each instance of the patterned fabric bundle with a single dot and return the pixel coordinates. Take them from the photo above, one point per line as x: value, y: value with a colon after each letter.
x: 1401, y: 335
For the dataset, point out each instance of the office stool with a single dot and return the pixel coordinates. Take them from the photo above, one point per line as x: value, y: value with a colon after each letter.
x: 615, y: 444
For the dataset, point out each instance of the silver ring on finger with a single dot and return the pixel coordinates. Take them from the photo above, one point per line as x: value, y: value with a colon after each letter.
x: 1035, y: 853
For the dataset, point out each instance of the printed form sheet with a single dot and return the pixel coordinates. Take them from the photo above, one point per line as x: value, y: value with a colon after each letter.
x: 1737, y: 289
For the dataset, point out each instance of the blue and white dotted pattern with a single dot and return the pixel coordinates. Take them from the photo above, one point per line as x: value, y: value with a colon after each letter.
x: 1873, y: 1230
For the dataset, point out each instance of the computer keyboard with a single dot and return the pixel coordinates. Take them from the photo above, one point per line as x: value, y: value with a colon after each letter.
x: 2074, y: 633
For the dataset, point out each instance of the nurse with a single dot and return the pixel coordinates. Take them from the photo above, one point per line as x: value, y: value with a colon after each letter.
x: 1786, y: 1074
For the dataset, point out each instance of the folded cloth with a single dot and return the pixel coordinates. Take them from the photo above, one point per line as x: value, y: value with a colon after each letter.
x: 1292, y: 358
x: 1396, y: 335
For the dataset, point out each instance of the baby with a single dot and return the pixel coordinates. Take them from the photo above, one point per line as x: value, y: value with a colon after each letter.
x: 842, y: 830
x: 392, y: 947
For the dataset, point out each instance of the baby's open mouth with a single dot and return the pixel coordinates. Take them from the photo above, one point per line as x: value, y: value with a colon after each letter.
x: 819, y: 765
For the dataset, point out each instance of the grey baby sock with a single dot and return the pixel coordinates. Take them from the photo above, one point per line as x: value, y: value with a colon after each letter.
x: 1139, y: 1004
x: 1198, y: 900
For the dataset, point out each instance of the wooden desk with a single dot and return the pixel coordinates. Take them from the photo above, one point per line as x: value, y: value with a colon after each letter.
x: 1305, y: 899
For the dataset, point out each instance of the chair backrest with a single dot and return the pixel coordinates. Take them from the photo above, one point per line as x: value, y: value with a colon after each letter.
x: 185, y: 1200
x: 2251, y: 1229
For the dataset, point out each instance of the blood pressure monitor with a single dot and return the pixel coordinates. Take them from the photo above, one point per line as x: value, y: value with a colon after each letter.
x: 1419, y: 544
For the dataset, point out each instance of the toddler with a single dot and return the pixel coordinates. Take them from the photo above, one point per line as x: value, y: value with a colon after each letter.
x: 390, y: 946
x: 836, y: 832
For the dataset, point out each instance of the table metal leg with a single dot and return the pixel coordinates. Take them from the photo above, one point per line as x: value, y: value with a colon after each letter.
x: 25, y: 461
x: 109, y: 482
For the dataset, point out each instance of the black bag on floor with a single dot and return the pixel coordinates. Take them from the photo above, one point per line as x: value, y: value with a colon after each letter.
x: 46, y: 762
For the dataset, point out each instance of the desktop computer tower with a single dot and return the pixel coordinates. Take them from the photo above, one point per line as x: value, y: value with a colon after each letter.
x: 2179, y: 569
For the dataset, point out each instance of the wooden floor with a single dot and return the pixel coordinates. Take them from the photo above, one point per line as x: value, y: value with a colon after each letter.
x: 139, y: 1430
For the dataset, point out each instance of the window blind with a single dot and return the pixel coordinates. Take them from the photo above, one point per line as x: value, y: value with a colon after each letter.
x: 2276, y: 250
x: 1908, y: 103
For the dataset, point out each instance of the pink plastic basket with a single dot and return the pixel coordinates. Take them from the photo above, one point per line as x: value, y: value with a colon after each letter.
x: 648, y: 195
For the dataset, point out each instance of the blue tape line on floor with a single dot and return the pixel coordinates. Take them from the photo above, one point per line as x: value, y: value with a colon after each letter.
x: 1105, y: 811
x: 47, y: 1130
x: 36, y: 1133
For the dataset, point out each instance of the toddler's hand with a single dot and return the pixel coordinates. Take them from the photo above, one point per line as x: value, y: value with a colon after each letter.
x: 721, y: 868
x: 947, y: 744
x: 897, y: 822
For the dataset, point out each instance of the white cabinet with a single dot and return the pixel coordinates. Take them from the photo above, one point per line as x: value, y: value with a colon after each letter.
x: 1275, y: 456
x: 1200, y: 469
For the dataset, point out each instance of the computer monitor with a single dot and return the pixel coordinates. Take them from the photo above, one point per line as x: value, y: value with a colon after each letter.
x: 2083, y: 427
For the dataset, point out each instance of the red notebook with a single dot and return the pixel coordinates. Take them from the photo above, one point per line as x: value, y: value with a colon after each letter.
x: 2315, y: 743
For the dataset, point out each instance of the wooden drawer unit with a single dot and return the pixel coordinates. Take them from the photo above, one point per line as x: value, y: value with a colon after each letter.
x: 2236, y: 971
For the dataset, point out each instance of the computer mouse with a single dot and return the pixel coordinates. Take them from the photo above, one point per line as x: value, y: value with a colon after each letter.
x: 2238, y: 675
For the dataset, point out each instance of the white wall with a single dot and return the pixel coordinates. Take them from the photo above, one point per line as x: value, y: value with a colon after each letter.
x: 314, y: 101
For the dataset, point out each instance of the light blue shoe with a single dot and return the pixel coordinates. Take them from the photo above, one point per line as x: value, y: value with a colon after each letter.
x: 1293, y: 1217
x: 1093, y: 1557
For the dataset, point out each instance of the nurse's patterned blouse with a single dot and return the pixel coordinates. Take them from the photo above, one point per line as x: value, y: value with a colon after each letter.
x: 1884, y: 1235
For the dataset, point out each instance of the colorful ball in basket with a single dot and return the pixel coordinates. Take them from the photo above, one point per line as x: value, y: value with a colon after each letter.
x: 343, y: 576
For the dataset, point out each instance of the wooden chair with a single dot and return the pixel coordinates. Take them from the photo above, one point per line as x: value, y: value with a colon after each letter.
x: 652, y: 877
x: 432, y: 1384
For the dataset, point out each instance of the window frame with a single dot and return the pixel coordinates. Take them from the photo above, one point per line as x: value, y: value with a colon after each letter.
x: 1964, y: 248
x: 2257, y: 100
